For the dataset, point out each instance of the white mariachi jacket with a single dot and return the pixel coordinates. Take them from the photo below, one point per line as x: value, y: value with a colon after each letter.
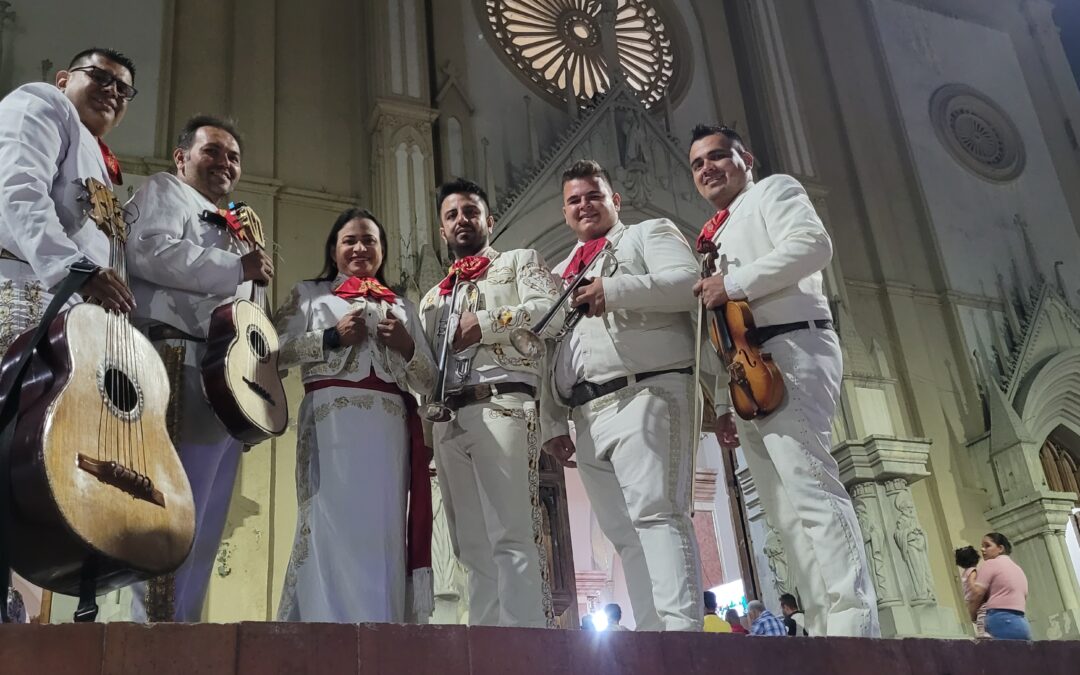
x: 44, y: 150
x: 182, y: 266
x: 649, y: 324
x: 516, y: 291
x: 312, y: 307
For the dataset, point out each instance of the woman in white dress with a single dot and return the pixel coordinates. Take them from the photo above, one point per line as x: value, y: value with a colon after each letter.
x: 364, y: 523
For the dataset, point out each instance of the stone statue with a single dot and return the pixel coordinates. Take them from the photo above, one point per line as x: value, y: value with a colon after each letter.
x: 774, y: 551
x: 874, y: 541
x: 635, y: 150
x: 911, y: 540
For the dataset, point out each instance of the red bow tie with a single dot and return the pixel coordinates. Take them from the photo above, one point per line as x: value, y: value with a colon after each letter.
x: 710, y: 229
x: 111, y: 163
x: 469, y: 268
x: 364, y: 287
x: 583, y: 257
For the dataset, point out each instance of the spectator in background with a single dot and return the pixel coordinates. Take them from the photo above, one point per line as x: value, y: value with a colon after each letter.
x: 587, y: 623
x: 966, y: 559
x: 794, y: 619
x: 1003, y: 587
x: 735, y: 621
x: 762, y: 621
x: 614, y: 616
x: 713, y: 623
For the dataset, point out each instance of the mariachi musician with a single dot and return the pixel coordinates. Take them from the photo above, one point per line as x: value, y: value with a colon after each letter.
x: 187, y: 256
x: 625, y: 377
x: 487, y: 446
x: 773, y: 249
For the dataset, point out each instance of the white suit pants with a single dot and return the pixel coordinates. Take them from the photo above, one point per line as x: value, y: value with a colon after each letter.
x: 798, y: 482
x: 634, y: 455
x: 488, y: 464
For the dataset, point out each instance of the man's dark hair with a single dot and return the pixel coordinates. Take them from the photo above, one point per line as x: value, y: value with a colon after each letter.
x: 702, y: 130
x: 586, y: 168
x: 788, y: 600
x: 111, y: 54
x: 710, y: 602
x: 967, y: 557
x: 186, y: 138
x: 460, y: 186
x: 1001, y: 540
x: 613, y: 611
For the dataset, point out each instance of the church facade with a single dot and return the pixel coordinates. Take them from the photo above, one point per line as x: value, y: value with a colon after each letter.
x: 937, y: 138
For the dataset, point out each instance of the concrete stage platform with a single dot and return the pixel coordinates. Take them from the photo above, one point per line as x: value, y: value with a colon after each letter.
x: 385, y: 649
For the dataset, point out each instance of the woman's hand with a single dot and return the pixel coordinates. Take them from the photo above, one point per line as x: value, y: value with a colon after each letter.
x: 391, y: 333
x: 352, y: 328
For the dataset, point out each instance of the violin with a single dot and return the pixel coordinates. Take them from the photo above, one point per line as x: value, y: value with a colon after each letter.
x: 756, y: 384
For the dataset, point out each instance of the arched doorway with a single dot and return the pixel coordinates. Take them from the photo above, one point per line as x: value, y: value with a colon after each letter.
x: 1060, y: 459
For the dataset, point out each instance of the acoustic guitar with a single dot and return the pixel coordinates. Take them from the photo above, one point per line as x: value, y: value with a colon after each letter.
x: 99, y: 494
x: 240, y: 369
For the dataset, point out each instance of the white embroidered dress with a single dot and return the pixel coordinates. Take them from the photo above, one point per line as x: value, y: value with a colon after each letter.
x: 348, y: 562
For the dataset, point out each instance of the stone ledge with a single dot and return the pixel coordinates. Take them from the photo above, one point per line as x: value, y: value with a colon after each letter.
x: 256, y: 648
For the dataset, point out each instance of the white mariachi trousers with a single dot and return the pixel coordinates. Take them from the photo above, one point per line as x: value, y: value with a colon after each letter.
x: 798, y: 482
x: 210, y: 457
x: 634, y: 454
x: 488, y: 465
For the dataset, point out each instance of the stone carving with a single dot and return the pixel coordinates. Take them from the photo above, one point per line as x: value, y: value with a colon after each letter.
x: 911, y: 540
x: 876, y: 550
x: 774, y: 551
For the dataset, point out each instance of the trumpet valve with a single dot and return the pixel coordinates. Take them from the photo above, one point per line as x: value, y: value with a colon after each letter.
x: 436, y: 412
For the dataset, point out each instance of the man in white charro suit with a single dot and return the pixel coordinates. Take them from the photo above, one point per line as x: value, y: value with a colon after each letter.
x: 773, y: 248
x: 186, y: 258
x: 625, y: 377
x: 487, y: 458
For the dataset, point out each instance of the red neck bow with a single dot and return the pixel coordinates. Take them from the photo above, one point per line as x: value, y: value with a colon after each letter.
x: 710, y: 229
x: 583, y: 257
x: 469, y: 268
x: 364, y: 287
x: 111, y: 163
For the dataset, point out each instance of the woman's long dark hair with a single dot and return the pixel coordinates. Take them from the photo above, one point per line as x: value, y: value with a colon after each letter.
x: 330, y: 269
x: 1001, y: 540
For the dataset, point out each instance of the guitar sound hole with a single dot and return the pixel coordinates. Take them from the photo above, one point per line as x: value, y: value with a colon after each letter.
x: 259, y: 346
x: 122, y: 392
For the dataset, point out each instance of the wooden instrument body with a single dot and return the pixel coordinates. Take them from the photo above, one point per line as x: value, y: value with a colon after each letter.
x: 240, y: 372
x: 79, y: 406
x: 755, y: 382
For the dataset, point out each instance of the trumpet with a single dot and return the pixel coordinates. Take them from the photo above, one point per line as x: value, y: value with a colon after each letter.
x: 528, y: 341
x: 465, y: 298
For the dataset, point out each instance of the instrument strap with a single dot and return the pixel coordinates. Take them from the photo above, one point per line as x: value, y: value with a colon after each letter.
x: 9, y: 413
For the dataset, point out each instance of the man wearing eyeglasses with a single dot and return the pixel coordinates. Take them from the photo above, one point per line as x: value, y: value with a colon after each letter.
x: 51, y: 137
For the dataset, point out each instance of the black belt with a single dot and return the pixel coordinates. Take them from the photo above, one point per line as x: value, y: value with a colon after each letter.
x: 479, y: 393
x: 163, y: 331
x: 583, y: 392
x: 764, y: 333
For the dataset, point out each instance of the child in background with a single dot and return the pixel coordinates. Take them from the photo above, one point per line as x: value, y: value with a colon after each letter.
x: 966, y: 559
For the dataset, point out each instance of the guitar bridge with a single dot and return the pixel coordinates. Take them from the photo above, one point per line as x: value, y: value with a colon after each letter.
x: 260, y: 391
x: 123, y: 478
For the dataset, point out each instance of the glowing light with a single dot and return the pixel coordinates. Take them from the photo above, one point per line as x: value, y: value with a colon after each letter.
x: 600, y: 620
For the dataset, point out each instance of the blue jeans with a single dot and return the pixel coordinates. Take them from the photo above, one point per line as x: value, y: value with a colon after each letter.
x: 1005, y: 625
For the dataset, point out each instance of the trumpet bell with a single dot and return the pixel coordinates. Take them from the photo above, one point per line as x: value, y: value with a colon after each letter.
x: 527, y: 343
x: 437, y: 412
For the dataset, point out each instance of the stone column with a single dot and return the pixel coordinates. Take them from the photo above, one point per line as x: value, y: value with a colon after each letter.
x: 878, y: 472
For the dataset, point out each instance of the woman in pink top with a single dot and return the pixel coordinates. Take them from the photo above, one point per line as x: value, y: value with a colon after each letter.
x: 1001, y: 588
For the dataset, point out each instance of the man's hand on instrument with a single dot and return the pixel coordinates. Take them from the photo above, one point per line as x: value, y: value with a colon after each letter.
x: 591, y: 294
x: 352, y: 328
x: 561, y: 448
x: 726, y: 432
x: 258, y: 267
x: 468, y: 332
x: 712, y: 291
x: 391, y: 333
x: 107, y: 289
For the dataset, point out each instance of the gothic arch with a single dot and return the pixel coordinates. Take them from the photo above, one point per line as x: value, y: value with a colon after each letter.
x: 1053, y: 397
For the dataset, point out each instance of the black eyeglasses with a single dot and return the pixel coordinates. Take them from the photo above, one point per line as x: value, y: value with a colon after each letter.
x: 104, y: 78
